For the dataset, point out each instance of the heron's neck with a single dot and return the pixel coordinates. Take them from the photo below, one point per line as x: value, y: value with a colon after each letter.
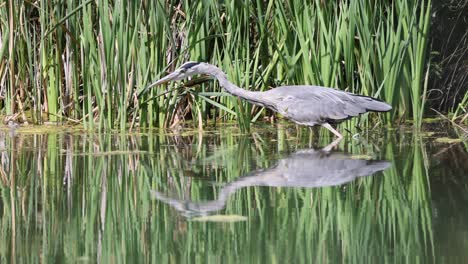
x: 233, y: 89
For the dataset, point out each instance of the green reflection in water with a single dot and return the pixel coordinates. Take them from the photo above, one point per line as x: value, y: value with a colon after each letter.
x: 68, y: 197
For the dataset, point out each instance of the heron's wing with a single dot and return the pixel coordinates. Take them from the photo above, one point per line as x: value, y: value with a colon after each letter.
x: 315, y: 105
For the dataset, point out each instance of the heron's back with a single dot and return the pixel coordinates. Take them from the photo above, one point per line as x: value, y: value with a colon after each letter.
x: 312, y: 105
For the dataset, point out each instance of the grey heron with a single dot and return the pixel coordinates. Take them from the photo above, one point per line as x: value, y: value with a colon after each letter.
x: 304, y: 104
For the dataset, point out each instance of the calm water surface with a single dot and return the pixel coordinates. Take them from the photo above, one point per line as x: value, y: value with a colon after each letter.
x: 270, y: 196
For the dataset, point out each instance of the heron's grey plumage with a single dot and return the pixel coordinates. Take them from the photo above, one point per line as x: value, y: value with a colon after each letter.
x: 315, y: 105
x: 304, y: 104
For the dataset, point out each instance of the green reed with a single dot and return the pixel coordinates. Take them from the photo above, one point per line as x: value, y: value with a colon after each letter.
x: 85, y: 62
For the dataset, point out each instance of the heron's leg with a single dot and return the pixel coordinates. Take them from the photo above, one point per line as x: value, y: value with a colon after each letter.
x: 332, y: 145
x: 329, y: 127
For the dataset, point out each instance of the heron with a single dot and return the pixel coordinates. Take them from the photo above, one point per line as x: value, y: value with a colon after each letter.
x: 307, y: 105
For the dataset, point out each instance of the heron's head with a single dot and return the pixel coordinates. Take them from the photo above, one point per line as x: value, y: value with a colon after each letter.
x: 186, y: 70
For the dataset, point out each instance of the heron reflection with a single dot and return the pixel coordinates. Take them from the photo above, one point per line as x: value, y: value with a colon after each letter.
x: 305, y: 168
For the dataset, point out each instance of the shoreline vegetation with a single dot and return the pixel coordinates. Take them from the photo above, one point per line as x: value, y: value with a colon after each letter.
x: 86, y: 62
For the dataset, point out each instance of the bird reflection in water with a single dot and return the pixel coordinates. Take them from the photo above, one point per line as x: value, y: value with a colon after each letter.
x: 305, y: 168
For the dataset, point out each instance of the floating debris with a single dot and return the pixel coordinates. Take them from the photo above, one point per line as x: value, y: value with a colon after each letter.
x: 220, y: 218
x: 448, y: 140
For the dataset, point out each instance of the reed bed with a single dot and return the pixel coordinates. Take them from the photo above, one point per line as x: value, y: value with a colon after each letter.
x: 85, y: 62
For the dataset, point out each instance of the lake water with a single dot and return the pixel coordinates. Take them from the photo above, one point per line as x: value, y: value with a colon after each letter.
x: 270, y: 196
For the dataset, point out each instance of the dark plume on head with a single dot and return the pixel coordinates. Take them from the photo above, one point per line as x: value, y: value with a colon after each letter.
x: 189, y: 65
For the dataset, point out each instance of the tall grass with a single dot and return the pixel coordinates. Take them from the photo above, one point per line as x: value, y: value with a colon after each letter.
x: 85, y: 62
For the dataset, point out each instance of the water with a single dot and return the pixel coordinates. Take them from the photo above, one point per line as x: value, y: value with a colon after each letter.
x: 223, y: 197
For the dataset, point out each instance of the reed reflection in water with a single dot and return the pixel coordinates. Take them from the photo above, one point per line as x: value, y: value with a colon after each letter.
x: 68, y: 197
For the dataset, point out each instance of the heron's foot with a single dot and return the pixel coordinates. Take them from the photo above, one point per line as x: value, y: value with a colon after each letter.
x: 357, y: 136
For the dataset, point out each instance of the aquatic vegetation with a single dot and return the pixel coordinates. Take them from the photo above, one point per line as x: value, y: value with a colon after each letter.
x: 86, y: 62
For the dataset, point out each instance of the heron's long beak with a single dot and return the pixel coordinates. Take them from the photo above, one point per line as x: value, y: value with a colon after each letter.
x: 166, y: 79
x: 171, y: 76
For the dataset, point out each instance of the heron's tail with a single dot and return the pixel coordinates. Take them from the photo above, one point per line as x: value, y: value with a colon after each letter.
x: 374, y: 104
